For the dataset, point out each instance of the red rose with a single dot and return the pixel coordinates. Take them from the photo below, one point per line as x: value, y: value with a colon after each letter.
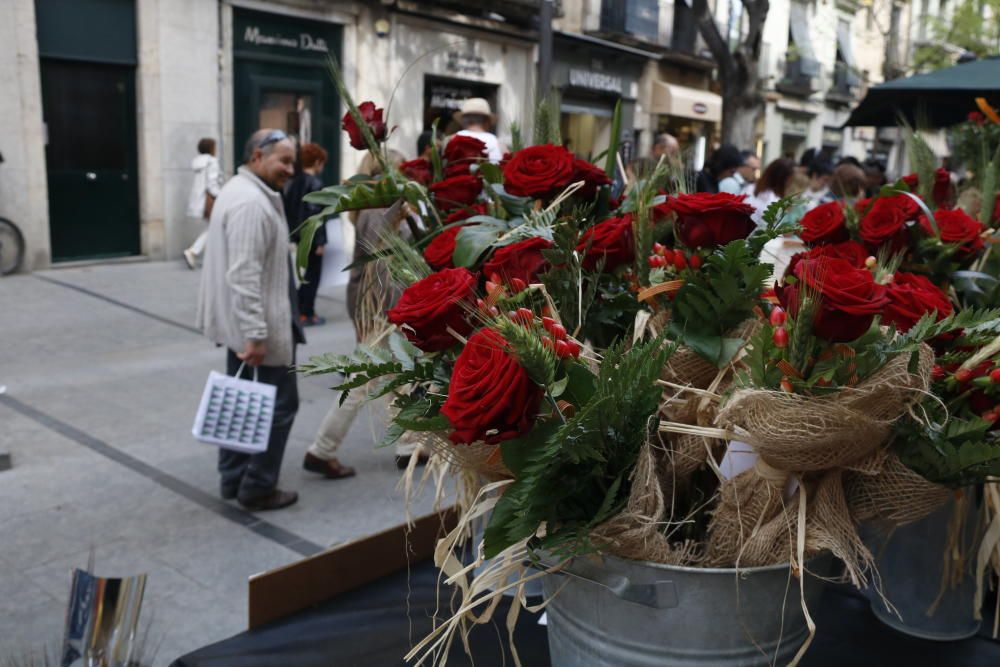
x: 909, y: 208
x: 851, y: 251
x: 429, y: 307
x: 372, y: 116
x: 455, y: 192
x: 884, y: 224
x: 490, y: 397
x: 439, y: 251
x: 521, y: 260
x: 419, y: 170
x: 707, y: 220
x: 611, y: 239
x: 912, y: 181
x: 824, y: 224
x: 944, y: 190
x: 849, y: 297
x: 956, y: 226
x: 910, y: 296
x: 538, y: 171
x: 592, y: 176
x: 462, y: 147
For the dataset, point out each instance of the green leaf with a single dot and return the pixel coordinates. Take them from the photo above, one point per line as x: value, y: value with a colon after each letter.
x: 474, y: 240
x: 611, y: 166
x: 511, y: 203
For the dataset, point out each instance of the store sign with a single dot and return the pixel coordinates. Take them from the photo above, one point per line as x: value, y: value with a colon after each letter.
x: 699, y: 108
x: 304, y: 41
x: 465, y: 63
x: 584, y: 78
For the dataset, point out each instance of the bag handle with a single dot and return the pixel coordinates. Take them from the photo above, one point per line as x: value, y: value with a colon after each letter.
x: 239, y: 371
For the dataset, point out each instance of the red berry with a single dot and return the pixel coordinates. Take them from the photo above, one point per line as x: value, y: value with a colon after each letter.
x: 780, y: 338
x: 786, y: 385
x: 518, y: 285
x: 547, y: 342
x: 495, y: 277
x: 659, y: 248
x: 547, y: 323
x: 963, y: 375
x: 512, y: 315
x: 937, y: 373
x: 574, y: 348
x: 695, y: 261
x: 679, y: 262
x: 525, y: 316
x: 778, y: 316
x: 558, y: 331
x: 494, y: 311
x: 995, y: 376
x: 481, y: 304
x: 490, y: 287
x: 668, y: 256
x: 991, y: 415
x: 562, y: 349
x: 654, y: 261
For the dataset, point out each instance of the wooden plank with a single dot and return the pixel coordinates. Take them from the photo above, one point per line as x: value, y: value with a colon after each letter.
x: 297, y: 586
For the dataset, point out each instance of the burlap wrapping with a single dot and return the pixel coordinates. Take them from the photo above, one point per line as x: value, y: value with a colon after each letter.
x: 815, y: 438
x: 639, y: 531
x: 478, y: 457
x: 892, y: 492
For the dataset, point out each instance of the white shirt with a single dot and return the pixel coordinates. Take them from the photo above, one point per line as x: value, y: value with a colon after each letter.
x: 493, y: 150
x: 734, y: 184
x: 760, y: 202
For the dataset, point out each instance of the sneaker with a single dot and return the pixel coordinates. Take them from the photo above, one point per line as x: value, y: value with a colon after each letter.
x: 190, y: 259
x: 313, y: 321
x: 276, y: 500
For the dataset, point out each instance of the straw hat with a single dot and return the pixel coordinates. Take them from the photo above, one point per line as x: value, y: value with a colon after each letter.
x: 476, y: 106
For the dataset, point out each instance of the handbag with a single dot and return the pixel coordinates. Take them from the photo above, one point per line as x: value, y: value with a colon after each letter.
x: 235, y: 413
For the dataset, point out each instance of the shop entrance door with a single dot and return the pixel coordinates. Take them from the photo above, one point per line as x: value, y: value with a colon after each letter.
x: 90, y: 150
x: 299, y: 100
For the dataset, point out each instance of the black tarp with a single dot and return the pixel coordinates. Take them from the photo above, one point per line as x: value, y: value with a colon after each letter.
x: 937, y: 99
x: 374, y: 626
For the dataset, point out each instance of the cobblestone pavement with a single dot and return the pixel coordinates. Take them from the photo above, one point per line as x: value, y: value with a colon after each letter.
x: 103, y: 372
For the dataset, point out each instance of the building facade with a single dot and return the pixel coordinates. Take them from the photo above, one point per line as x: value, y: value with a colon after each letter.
x: 109, y: 98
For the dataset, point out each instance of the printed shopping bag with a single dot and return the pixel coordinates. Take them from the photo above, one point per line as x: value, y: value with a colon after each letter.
x: 235, y: 413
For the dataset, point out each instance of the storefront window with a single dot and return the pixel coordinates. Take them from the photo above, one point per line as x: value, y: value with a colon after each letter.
x: 444, y: 96
x: 585, y: 131
x: 288, y: 111
x: 693, y: 136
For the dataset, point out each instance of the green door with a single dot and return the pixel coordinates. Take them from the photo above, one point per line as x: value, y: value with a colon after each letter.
x: 89, y: 113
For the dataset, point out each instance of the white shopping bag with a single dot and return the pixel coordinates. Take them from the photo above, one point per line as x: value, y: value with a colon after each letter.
x: 235, y: 413
x: 339, y: 252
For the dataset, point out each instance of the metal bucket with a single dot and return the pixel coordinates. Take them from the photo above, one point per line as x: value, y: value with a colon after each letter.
x: 638, y: 614
x: 910, y: 561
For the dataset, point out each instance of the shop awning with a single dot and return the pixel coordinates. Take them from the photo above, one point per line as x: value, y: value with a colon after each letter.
x: 671, y: 99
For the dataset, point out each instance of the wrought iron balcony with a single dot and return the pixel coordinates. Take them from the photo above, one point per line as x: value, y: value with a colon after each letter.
x: 801, y: 77
x: 844, y: 85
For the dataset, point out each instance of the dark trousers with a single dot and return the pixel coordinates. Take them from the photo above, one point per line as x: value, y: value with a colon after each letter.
x: 310, y: 285
x: 255, y: 476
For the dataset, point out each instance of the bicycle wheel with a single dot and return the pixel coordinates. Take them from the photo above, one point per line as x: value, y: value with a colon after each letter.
x: 11, y: 247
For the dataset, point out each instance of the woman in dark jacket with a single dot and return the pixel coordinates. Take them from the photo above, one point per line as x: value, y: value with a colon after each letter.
x: 312, y: 159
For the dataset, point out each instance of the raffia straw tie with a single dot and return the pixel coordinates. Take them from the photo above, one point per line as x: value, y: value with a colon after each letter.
x: 800, y: 548
x: 691, y: 429
x: 685, y: 388
x: 770, y: 473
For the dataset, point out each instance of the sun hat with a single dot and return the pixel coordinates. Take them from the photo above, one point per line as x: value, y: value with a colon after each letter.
x: 476, y: 106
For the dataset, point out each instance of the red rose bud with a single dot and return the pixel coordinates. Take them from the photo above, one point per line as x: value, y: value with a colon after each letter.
x: 490, y: 287
x: 780, y: 338
x: 963, y: 375
x: 695, y: 261
x: 525, y: 315
x: 778, y: 316
x: 562, y: 349
x: 659, y: 248
x: 518, y: 285
x: 679, y: 262
x: 558, y: 331
x: 372, y: 117
x: 574, y: 348
x: 547, y: 323
x: 995, y: 376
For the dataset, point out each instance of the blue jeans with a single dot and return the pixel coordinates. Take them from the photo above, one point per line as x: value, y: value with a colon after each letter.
x: 254, y: 476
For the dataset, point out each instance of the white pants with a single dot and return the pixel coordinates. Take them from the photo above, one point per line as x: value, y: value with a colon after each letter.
x: 198, y: 247
x: 337, y: 423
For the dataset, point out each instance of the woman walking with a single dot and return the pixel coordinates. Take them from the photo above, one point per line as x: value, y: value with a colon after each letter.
x: 204, y: 190
x: 312, y: 158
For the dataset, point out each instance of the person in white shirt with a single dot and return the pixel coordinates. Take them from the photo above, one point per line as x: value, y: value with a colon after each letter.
x: 204, y: 190
x: 772, y: 186
x: 476, y: 119
x: 742, y: 180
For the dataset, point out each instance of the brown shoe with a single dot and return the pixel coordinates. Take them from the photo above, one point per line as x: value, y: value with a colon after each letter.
x: 277, y: 500
x: 331, y: 469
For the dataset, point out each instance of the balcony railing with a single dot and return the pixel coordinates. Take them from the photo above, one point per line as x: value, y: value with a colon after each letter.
x: 801, y: 77
x: 845, y: 83
x: 637, y: 18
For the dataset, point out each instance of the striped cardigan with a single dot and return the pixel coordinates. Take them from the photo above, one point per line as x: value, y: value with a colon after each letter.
x: 246, y: 278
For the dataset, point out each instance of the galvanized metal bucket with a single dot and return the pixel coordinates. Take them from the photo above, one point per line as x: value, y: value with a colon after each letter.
x: 637, y: 614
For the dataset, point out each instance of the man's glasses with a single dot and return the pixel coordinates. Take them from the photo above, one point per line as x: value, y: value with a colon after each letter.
x: 272, y: 137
